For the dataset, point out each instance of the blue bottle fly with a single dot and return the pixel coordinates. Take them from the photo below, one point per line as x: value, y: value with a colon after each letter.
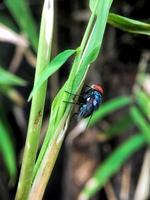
x: 90, y: 100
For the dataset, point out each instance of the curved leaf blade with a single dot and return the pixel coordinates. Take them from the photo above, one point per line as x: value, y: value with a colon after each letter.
x: 7, y: 78
x: 7, y: 149
x: 52, y: 67
x: 129, y: 25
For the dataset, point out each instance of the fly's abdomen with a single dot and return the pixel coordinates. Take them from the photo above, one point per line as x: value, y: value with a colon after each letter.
x: 85, y: 110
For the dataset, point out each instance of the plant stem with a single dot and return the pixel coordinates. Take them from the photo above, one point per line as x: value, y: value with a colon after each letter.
x: 38, y: 101
x: 48, y: 161
x: 88, y: 29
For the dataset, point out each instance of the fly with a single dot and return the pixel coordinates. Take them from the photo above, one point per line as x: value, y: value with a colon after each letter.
x: 89, y: 101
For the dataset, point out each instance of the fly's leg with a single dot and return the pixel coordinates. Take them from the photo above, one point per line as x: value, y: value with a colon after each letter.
x: 78, y: 95
x: 71, y: 102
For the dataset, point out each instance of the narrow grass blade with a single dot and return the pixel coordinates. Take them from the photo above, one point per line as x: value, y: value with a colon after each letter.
x: 140, y: 122
x: 110, y: 107
x: 7, y: 78
x: 129, y: 25
x: 89, y: 58
x: 92, y: 4
x: 52, y: 67
x: 102, y: 11
x: 99, y: 5
x: 22, y: 15
x: 7, y: 150
x: 111, y: 165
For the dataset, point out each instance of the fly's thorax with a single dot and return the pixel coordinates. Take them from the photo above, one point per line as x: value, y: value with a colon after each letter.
x: 97, y: 96
x: 97, y: 100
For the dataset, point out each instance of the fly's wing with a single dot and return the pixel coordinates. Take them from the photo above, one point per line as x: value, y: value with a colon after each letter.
x: 85, y: 110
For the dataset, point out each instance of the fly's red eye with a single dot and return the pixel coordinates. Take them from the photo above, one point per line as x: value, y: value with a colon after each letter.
x: 98, y: 88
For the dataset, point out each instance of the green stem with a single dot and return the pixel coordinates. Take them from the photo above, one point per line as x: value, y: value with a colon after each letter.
x: 48, y: 161
x: 38, y: 101
x: 88, y: 29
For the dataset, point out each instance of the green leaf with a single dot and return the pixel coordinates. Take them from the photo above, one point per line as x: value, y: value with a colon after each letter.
x: 52, y: 67
x: 89, y: 58
x: 109, y: 107
x: 7, y: 79
x: 111, y: 165
x: 129, y: 25
x: 7, y: 149
x: 23, y: 16
x: 96, y: 6
x: 141, y: 122
x: 102, y: 11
